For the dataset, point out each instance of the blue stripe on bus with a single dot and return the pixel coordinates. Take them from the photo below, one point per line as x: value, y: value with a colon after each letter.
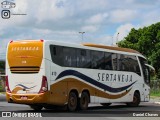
x: 24, y: 87
x: 92, y: 81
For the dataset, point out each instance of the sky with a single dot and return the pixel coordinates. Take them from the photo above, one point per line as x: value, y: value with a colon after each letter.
x: 103, y: 21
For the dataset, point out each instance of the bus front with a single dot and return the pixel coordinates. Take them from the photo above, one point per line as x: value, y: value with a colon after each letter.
x: 25, y: 80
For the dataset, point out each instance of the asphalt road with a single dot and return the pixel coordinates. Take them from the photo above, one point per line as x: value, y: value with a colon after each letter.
x: 94, y: 112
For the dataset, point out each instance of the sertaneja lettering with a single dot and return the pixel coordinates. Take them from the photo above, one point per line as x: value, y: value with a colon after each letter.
x: 114, y: 77
x: 25, y: 48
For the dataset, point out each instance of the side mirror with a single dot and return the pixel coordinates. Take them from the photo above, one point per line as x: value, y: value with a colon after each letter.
x: 151, y: 69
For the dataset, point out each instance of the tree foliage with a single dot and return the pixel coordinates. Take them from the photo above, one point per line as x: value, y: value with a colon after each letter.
x: 147, y: 41
x: 2, y: 67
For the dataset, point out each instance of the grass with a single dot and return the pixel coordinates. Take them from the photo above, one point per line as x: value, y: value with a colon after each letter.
x: 155, y: 93
x: 1, y: 88
x: 2, y: 92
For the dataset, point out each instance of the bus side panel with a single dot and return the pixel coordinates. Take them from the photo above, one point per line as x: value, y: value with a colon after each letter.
x: 145, y: 93
x: 58, y: 93
x: 58, y: 90
x: 47, y: 71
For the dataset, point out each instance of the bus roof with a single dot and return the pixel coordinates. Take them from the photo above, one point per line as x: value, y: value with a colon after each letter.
x: 114, y: 48
x: 111, y: 48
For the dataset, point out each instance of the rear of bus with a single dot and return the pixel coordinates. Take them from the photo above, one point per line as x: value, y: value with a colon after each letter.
x: 25, y: 80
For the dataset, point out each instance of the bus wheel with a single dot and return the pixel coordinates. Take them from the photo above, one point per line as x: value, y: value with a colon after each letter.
x: 84, y: 100
x: 136, y: 100
x: 72, y: 101
x: 106, y: 104
x: 36, y: 107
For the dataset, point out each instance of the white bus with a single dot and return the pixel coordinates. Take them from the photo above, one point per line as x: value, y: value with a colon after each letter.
x: 45, y: 74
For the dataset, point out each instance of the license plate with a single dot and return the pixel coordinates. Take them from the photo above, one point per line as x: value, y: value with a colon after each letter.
x: 24, y: 97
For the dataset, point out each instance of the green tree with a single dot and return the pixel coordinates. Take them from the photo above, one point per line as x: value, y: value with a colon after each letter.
x: 147, y: 41
x: 2, y: 66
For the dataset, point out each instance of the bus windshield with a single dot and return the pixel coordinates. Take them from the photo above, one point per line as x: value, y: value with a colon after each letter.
x: 145, y: 70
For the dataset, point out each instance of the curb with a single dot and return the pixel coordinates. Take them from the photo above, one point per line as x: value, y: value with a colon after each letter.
x: 155, y: 99
x: 157, y: 102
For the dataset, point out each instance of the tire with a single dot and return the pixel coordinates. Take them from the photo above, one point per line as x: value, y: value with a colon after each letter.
x: 72, y: 101
x: 136, y: 100
x: 84, y: 100
x: 36, y: 107
x: 106, y: 104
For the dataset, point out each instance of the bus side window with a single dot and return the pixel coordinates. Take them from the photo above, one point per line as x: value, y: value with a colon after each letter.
x: 129, y: 63
x: 57, y: 54
x: 69, y: 57
x: 97, y: 60
x: 124, y: 62
x: 83, y: 52
x: 54, y: 50
x: 80, y: 58
x: 108, y: 61
x: 134, y: 66
x: 83, y: 58
x: 87, y: 59
x: 114, y: 61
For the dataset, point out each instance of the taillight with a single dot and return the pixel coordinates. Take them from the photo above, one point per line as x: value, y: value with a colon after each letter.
x: 7, y: 85
x: 11, y: 41
x: 44, y: 86
x: 42, y: 40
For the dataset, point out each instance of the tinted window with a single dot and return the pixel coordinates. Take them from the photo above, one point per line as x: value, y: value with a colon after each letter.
x: 114, y: 61
x: 128, y: 63
x: 57, y: 54
x: 97, y: 60
x: 134, y: 66
x: 69, y: 57
x: 124, y: 63
x: 83, y: 58
x: 108, y: 61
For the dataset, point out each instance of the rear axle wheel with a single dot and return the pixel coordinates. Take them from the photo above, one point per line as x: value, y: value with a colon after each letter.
x: 72, y: 102
x: 84, y: 100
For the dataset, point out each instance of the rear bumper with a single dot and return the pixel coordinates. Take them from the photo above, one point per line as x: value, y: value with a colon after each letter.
x: 31, y: 98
